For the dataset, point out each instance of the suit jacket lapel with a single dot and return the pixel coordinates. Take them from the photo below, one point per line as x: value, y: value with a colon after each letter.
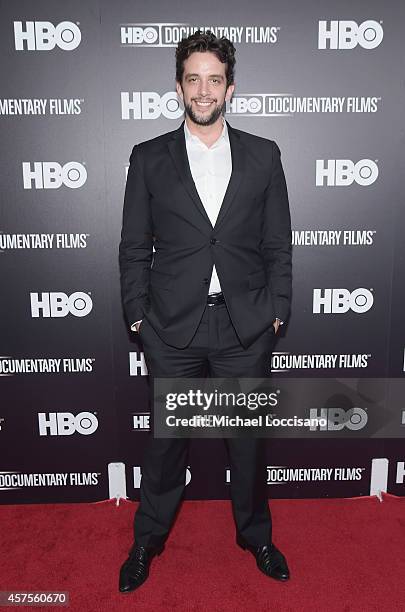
x: 238, y: 153
x: 178, y: 151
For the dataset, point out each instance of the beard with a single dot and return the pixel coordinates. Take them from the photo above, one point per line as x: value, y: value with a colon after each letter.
x: 205, y: 119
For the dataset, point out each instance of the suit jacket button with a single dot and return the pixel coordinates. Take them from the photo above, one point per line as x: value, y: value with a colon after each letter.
x: 213, y: 240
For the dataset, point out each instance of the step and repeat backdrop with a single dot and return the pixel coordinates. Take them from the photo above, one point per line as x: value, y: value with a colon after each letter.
x: 82, y: 82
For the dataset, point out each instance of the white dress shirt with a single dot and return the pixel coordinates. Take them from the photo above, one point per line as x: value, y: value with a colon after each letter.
x: 211, y: 169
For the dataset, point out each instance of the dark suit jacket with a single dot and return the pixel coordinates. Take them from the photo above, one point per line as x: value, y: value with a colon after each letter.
x: 250, y: 243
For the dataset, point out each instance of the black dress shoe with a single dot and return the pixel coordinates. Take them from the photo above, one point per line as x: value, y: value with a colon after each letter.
x: 135, y: 570
x: 269, y: 559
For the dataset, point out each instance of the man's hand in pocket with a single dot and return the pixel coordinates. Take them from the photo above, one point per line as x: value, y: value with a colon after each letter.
x: 135, y: 326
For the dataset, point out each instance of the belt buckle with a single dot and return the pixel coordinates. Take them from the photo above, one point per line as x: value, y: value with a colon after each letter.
x: 215, y: 295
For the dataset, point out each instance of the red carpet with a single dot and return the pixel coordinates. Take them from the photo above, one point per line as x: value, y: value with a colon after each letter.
x: 344, y: 555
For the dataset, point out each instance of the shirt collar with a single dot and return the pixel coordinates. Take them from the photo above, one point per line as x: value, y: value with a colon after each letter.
x: 193, y: 138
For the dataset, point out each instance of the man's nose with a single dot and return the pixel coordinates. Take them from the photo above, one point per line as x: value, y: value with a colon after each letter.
x: 203, y: 88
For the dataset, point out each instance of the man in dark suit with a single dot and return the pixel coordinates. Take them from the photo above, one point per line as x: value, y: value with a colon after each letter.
x: 212, y: 201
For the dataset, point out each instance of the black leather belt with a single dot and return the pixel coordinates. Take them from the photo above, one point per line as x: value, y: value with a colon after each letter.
x: 215, y: 298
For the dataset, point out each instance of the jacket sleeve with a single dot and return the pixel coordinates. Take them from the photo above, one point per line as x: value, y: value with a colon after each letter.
x: 136, y: 246
x: 277, y: 239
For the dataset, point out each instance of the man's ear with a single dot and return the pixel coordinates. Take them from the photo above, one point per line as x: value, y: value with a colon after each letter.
x: 179, y: 90
x: 229, y: 92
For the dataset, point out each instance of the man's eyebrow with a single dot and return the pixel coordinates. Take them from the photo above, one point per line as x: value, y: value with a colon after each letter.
x: 191, y: 74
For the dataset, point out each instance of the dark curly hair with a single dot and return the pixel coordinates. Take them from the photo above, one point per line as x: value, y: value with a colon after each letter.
x: 206, y: 41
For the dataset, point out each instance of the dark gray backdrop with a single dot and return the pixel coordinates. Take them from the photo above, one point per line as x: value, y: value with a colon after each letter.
x: 98, y: 453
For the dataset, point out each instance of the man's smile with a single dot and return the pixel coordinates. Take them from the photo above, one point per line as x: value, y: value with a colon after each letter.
x: 203, y: 103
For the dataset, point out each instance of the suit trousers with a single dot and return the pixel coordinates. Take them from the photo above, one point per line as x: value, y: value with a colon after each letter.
x: 215, y: 350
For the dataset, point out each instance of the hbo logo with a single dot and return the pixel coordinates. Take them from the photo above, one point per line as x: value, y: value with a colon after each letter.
x: 138, y: 36
x: 150, y: 105
x: 337, y: 418
x: 44, y: 36
x: 348, y: 34
x: 66, y: 424
x: 241, y: 105
x: 338, y: 301
x: 57, y: 304
x: 343, y: 172
x: 51, y: 175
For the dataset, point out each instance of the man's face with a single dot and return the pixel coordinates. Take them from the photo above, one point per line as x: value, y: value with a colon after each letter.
x: 203, y: 89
